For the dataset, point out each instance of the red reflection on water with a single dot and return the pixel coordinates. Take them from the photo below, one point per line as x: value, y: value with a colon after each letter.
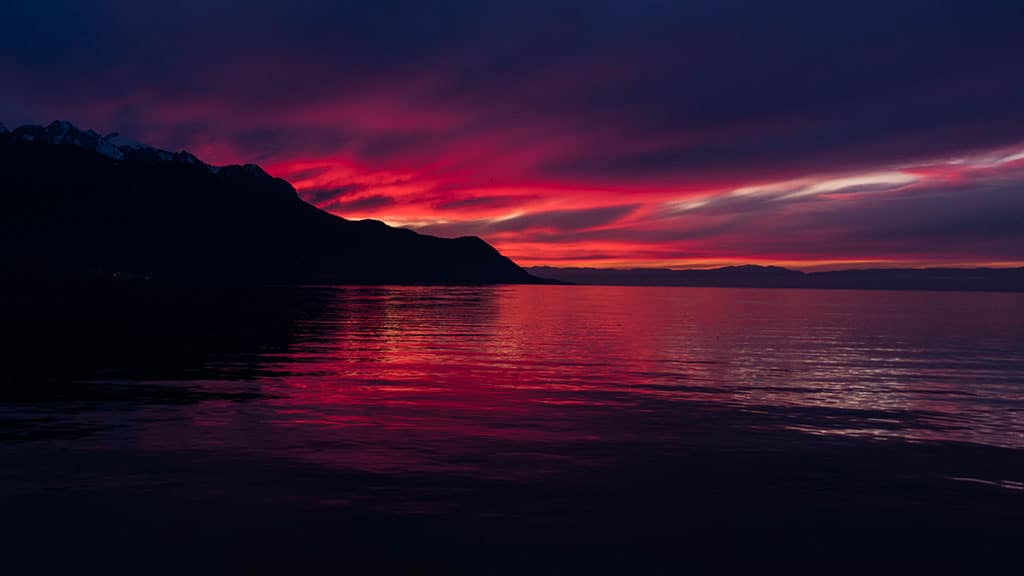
x: 512, y: 381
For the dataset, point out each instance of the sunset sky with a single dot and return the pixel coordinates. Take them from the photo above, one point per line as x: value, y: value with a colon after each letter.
x: 804, y: 133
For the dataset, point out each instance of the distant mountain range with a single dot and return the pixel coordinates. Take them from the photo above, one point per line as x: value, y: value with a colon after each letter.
x: 970, y: 279
x: 77, y: 204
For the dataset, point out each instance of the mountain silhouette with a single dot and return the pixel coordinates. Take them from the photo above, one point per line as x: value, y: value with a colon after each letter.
x: 967, y: 279
x: 78, y: 204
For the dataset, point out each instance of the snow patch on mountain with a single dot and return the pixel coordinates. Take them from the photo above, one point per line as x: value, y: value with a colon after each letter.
x: 109, y: 150
x: 113, y: 145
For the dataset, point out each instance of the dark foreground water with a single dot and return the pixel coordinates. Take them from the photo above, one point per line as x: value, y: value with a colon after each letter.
x: 509, y: 429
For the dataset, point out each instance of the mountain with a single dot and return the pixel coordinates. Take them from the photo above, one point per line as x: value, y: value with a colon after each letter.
x: 730, y: 276
x: 78, y: 204
x: 968, y: 279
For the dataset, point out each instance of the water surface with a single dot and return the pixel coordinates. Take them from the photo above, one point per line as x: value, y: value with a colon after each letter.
x: 496, y: 427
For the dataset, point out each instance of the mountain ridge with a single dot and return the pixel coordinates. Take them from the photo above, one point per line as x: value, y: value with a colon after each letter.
x: 83, y: 205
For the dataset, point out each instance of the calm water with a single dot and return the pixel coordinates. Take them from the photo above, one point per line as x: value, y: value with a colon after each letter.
x: 462, y: 425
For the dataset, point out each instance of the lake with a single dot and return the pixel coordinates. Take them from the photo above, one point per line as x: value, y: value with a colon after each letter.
x: 508, y: 429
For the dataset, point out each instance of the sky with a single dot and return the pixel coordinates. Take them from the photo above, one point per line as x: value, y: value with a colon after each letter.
x: 815, y: 135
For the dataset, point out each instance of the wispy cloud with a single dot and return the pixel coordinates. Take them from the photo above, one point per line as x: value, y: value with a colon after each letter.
x: 670, y: 131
